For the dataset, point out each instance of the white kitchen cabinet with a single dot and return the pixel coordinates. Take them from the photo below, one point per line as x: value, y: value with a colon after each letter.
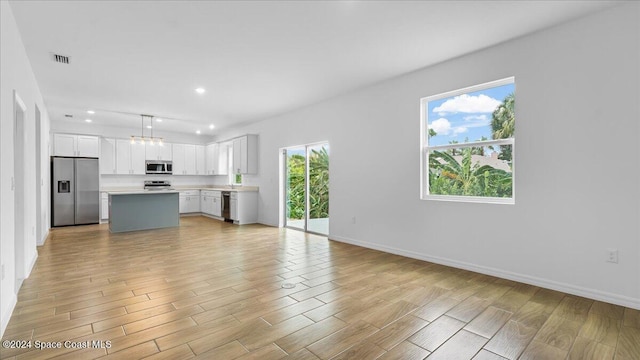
x: 76, y: 145
x: 130, y: 157
x: 211, y: 159
x: 233, y: 202
x: 237, y: 155
x: 158, y: 152
x: 245, y: 154
x: 64, y: 145
x: 210, y: 202
x: 104, y: 206
x: 107, y: 156
x: 123, y: 157
x: 178, y: 159
x: 188, y: 159
x: 223, y: 158
x: 205, y: 203
x: 88, y: 146
x: 216, y: 203
x: 189, y: 201
x: 244, y: 207
x: 200, y: 166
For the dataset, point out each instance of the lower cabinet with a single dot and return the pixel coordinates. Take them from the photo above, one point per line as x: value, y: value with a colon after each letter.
x: 217, y: 204
x: 243, y: 204
x: 233, y: 201
x: 189, y: 201
x: 205, y: 203
x: 210, y: 202
x: 104, y: 206
x: 244, y: 207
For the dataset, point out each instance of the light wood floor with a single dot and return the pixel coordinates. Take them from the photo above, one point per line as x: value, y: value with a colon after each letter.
x: 211, y: 290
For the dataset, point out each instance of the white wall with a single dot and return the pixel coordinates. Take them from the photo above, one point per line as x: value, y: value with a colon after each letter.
x: 16, y: 74
x: 577, y: 156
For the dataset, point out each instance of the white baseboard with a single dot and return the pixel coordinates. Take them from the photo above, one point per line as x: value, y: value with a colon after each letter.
x: 32, y: 263
x: 212, y: 217
x: 531, y: 280
x: 45, y: 236
x: 6, y: 316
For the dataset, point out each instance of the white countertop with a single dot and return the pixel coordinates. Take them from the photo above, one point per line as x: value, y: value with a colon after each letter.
x: 218, y: 188
x: 142, y: 192
x: 133, y: 190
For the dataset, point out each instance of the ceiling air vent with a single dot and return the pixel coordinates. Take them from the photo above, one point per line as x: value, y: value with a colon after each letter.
x: 60, y: 59
x: 68, y: 115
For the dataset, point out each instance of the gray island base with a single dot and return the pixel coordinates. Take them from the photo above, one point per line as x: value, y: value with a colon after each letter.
x: 144, y: 210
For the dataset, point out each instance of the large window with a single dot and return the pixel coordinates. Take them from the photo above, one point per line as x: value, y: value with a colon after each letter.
x: 468, y: 144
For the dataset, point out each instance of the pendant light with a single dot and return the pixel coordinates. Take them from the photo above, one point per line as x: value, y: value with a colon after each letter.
x: 142, y: 138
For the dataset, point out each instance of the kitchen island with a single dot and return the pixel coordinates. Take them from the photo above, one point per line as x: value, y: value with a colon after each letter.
x: 143, y: 210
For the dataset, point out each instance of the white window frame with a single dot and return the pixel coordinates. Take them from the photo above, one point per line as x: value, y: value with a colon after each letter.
x: 425, y: 149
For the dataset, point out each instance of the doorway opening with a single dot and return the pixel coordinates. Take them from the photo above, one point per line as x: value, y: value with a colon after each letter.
x: 306, y: 188
x: 17, y: 185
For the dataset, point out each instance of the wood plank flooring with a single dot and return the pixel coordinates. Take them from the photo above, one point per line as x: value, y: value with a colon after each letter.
x: 212, y: 290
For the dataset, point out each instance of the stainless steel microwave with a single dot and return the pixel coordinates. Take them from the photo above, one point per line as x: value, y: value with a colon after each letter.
x: 158, y: 167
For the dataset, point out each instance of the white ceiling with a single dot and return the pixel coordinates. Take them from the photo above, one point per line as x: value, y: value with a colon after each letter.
x: 256, y: 59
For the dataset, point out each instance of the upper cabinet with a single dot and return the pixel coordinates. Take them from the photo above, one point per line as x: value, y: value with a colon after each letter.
x: 245, y: 154
x: 107, y: 156
x: 76, y: 145
x: 178, y: 159
x: 129, y: 158
x: 223, y: 158
x: 188, y: 159
x: 158, y: 152
x: 200, y: 165
x: 121, y: 157
x: 211, y: 159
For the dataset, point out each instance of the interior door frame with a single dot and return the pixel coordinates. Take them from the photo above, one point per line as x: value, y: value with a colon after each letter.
x: 39, y: 178
x: 17, y: 186
x: 306, y: 181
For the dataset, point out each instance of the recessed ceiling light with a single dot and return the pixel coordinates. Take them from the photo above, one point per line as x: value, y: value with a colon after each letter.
x: 158, y: 119
x: 149, y: 126
x: 211, y: 126
x: 90, y: 112
x: 200, y: 90
x: 198, y: 132
x: 87, y: 120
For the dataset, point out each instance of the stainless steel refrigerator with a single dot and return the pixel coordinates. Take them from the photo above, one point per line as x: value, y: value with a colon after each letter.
x: 75, y: 193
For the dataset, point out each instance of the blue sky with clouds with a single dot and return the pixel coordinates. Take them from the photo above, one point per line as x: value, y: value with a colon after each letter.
x: 465, y: 116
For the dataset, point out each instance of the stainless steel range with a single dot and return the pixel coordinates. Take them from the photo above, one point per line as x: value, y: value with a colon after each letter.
x: 155, y: 185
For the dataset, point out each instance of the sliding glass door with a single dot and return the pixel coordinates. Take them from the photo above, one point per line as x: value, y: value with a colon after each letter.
x: 307, y: 188
x: 296, y: 187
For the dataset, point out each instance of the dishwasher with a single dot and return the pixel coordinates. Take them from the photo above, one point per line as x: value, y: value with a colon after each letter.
x: 226, y: 205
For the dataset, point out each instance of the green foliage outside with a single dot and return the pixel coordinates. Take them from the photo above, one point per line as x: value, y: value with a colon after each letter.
x: 318, y: 185
x: 447, y: 176
x: 503, y: 124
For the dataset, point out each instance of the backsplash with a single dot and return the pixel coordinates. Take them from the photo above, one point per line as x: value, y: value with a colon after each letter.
x: 137, y: 181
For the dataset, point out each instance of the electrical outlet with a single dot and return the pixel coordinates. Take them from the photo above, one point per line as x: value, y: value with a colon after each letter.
x: 612, y: 256
x: 353, y: 220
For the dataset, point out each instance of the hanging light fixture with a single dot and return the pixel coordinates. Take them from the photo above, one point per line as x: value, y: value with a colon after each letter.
x: 142, y: 138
